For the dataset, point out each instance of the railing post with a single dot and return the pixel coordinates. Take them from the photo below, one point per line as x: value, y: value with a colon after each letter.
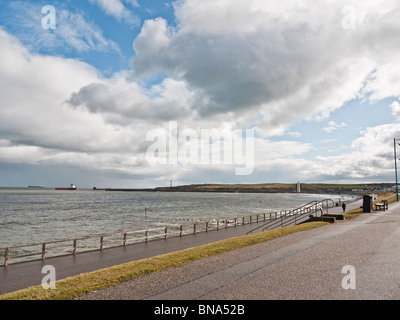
x: 146, y: 236
x: 207, y: 226
x: 6, y: 258
x: 101, y: 243
x: 180, y: 231
x: 194, y: 228
x: 43, y: 251
x: 125, y: 239
x: 74, y: 245
x: 166, y: 231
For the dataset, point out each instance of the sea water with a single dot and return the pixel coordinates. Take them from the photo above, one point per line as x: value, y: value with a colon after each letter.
x: 34, y: 216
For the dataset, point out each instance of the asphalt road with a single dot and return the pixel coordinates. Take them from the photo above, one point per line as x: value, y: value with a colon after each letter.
x: 354, y: 259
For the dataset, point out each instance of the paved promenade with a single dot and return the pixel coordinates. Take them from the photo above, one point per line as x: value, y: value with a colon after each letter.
x: 354, y: 259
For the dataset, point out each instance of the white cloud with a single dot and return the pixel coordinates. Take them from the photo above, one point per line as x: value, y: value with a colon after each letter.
x: 226, y: 65
x: 332, y: 126
x: 58, y: 111
x: 122, y: 102
x: 395, y: 106
x: 280, y: 60
x: 116, y: 9
x: 73, y: 31
x: 82, y: 35
x: 34, y: 117
x: 384, y: 81
x: 369, y: 158
x: 295, y: 134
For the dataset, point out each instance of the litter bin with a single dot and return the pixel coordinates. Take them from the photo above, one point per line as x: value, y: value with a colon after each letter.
x: 367, y: 203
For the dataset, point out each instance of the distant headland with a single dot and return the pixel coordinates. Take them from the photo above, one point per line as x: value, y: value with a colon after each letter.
x: 317, y: 188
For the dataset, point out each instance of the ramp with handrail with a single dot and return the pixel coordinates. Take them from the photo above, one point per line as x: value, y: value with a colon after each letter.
x: 297, y: 216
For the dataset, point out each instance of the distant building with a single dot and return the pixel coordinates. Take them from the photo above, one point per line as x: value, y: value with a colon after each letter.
x: 298, y: 187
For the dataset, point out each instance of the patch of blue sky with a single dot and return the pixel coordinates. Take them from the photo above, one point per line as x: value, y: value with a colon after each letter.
x: 84, y: 31
x: 333, y: 135
x: 151, y: 9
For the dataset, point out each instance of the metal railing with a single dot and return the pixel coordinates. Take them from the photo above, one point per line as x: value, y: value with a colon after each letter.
x: 43, y: 250
x: 298, y: 215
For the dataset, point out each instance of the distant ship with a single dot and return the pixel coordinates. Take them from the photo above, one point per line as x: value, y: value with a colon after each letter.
x: 36, y: 187
x: 72, y: 187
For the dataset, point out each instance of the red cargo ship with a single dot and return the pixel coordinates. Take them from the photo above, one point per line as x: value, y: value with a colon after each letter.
x: 72, y: 187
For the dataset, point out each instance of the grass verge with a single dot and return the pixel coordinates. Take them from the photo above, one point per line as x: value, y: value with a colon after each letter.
x: 71, y: 287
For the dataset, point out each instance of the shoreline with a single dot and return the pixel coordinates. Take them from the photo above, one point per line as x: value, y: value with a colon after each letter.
x: 306, y: 188
x: 353, y: 189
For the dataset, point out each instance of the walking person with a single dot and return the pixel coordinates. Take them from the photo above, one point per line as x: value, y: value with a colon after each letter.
x: 344, y: 207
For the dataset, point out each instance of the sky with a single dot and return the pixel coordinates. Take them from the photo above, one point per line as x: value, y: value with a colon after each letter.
x: 139, y: 93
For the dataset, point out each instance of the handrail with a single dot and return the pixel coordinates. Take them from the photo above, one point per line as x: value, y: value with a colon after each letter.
x: 296, y: 214
x: 71, y: 247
